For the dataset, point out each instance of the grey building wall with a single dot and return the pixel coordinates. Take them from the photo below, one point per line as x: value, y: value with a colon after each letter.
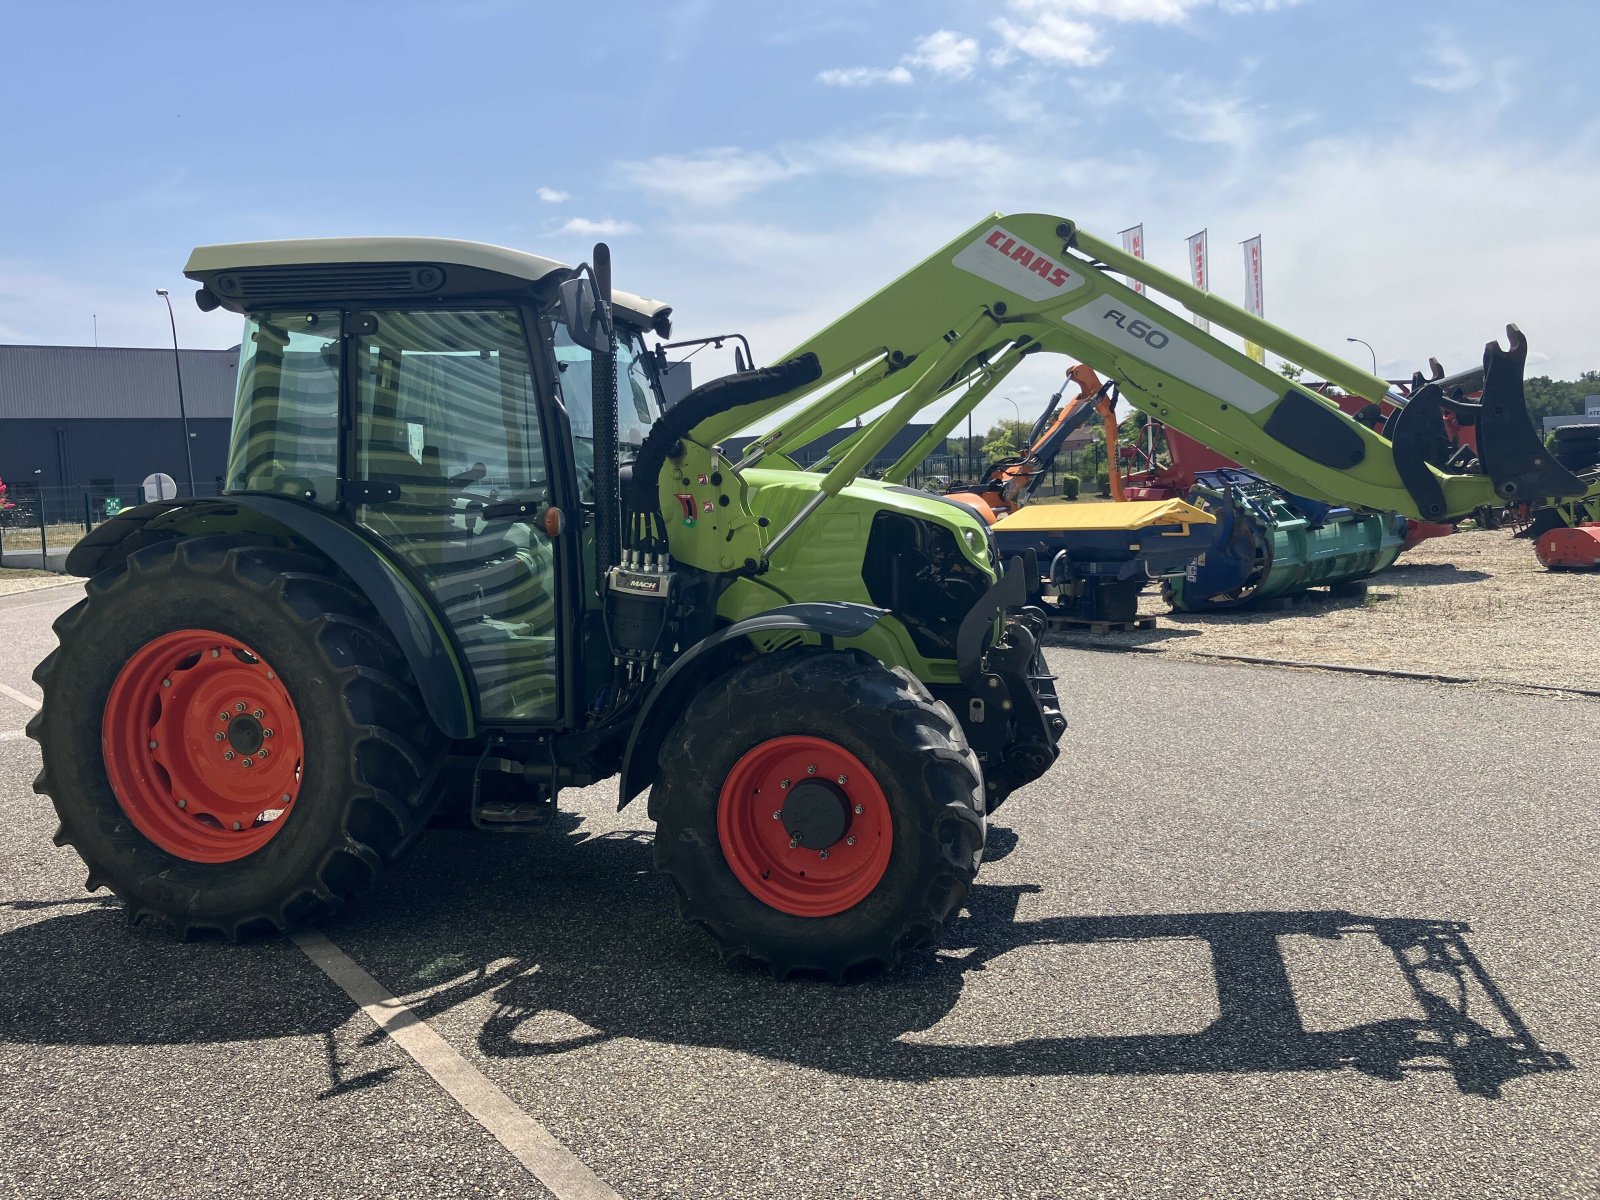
x: 1591, y: 415
x: 79, y: 417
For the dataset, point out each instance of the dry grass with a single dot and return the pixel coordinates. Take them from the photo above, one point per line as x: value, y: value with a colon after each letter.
x: 1476, y: 604
x: 26, y: 537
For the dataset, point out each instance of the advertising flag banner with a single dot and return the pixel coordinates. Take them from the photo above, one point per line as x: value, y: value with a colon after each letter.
x: 1133, y: 243
x: 1252, y: 291
x: 1199, y: 271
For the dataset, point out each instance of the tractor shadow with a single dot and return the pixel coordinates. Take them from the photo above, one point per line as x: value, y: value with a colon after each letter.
x: 565, y: 941
x: 589, y: 950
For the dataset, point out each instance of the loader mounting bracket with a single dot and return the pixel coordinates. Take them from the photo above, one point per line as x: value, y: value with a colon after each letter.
x: 1416, y: 432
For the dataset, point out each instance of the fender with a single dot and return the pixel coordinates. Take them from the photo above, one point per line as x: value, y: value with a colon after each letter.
x: 709, y: 658
x: 434, y: 661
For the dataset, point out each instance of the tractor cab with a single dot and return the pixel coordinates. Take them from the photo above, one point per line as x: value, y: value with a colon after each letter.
x: 443, y: 409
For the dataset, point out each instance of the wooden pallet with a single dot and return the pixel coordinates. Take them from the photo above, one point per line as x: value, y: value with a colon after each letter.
x: 1074, y: 625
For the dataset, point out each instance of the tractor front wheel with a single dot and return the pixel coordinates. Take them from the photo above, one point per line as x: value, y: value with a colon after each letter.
x: 818, y: 813
x: 230, y: 739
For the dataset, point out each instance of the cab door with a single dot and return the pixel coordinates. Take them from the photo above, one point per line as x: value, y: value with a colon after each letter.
x: 453, y: 476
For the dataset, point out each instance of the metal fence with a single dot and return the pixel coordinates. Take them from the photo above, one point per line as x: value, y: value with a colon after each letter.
x: 39, y: 525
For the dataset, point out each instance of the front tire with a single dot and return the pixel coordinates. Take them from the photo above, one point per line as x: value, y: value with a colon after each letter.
x: 230, y: 741
x: 818, y: 813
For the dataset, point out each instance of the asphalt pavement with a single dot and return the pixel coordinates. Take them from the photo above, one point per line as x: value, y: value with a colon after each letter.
x: 1260, y: 933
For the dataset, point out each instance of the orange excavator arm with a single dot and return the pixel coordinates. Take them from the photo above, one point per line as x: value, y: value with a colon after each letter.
x: 1007, y: 484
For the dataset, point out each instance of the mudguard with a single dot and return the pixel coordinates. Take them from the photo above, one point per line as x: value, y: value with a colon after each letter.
x: 433, y: 660
x: 707, y: 659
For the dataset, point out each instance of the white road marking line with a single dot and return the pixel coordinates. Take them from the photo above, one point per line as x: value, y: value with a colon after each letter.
x: 20, y: 697
x: 546, y: 1159
x: 11, y: 608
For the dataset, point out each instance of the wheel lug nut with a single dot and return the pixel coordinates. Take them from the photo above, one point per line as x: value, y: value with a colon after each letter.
x: 266, y: 733
x: 794, y: 841
x: 228, y: 754
x: 222, y: 716
x: 152, y: 745
x: 850, y: 841
x: 812, y: 769
x: 249, y: 762
x: 264, y: 752
x: 237, y: 826
x: 238, y: 707
x: 219, y: 737
x: 783, y: 783
x: 256, y: 714
x: 183, y: 804
x: 843, y: 779
x: 777, y: 815
x: 822, y: 854
x: 166, y: 683
x: 859, y: 810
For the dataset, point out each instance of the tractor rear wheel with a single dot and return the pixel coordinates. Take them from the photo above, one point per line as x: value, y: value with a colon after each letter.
x: 230, y: 739
x: 818, y: 813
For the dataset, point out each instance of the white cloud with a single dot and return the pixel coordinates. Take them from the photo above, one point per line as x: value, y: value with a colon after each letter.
x: 1152, y: 11
x: 1191, y: 112
x: 1050, y: 38
x: 945, y: 52
x: 608, y: 227
x: 1067, y: 32
x: 716, y: 176
x: 909, y: 158
x: 551, y: 196
x: 1450, y: 69
x: 855, y: 77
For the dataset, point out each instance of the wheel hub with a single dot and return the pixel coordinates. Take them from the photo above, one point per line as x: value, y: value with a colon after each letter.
x: 815, y: 815
x: 244, y: 734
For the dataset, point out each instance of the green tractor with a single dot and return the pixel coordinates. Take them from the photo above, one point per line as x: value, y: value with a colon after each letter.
x: 469, y: 555
x: 474, y: 548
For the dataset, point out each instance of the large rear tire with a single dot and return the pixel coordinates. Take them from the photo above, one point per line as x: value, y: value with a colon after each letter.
x: 230, y: 739
x: 818, y: 813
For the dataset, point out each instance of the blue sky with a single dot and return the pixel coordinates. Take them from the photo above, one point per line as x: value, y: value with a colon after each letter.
x: 1421, y: 173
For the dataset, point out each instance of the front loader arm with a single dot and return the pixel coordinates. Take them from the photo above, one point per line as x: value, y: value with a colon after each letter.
x: 1037, y: 279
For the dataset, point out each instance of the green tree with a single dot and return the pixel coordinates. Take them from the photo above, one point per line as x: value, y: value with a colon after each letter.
x: 1005, y: 439
x: 1558, y: 397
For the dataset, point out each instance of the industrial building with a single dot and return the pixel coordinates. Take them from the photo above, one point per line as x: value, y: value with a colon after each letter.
x: 81, y: 420
x: 1589, y: 416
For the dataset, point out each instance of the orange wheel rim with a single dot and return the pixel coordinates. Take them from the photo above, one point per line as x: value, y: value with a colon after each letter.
x: 202, y: 746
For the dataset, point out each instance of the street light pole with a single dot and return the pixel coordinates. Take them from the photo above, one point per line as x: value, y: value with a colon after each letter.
x: 1018, y: 411
x: 183, y: 413
x: 1370, y: 351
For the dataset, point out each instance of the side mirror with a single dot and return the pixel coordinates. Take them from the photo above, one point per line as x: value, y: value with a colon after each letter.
x: 587, y: 315
x: 582, y: 315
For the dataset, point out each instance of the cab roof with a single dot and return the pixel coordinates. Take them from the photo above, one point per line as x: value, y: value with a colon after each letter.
x: 244, y: 275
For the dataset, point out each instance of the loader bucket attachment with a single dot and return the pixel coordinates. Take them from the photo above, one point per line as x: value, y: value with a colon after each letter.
x: 1509, y: 448
x: 1513, y: 456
